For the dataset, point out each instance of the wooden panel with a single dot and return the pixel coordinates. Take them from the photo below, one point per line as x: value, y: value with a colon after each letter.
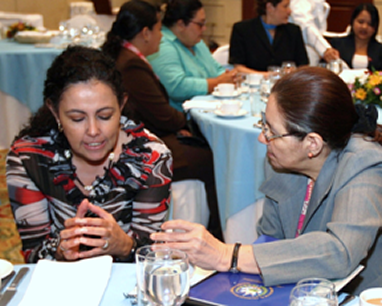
x: 340, y: 13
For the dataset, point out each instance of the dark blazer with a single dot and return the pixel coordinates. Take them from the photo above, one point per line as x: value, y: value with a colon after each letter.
x: 250, y: 46
x: 148, y: 102
x: 346, y: 47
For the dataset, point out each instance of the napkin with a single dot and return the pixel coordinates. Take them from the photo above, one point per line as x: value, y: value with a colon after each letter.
x: 200, y: 104
x: 68, y: 283
x: 349, y: 75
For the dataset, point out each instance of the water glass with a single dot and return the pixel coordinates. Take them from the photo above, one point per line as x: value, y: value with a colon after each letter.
x: 313, y: 294
x: 335, y: 66
x: 288, y: 67
x: 266, y: 84
x: 140, y: 256
x: 257, y: 106
x: 166, y: 277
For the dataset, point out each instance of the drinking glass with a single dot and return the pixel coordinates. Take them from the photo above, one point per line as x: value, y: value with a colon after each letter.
x: 266, y: 84
x: 288, y: 67
x: 335, y: 66
x: 313, y: 294
x: 140, y: 256
x: 257, y: 106
x: 275, y: 73
x: 166, y: 277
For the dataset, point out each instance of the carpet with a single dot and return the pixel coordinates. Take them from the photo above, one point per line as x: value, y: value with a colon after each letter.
x: 10, y: 243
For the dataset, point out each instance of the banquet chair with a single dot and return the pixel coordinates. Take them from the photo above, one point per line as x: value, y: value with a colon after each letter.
x: 80, y: 21
x: 189, y: 202
x: 221, y: 55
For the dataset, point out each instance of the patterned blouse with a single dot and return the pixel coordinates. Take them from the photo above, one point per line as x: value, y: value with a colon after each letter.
x: 41, y: 176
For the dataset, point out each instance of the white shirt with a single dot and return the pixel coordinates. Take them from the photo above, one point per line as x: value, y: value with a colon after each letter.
x: 360, y: 61
x: 311, y: 16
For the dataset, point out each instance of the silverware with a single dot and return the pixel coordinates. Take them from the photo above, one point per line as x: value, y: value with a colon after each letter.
x: 347, y: 299
x: 5, y: 281
x: 11, y: 290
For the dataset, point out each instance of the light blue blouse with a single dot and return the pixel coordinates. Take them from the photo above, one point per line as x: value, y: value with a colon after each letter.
x: 183, y: 74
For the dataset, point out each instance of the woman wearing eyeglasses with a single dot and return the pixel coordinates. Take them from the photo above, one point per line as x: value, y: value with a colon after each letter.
x: 184, y: 63
x: 134, y: 35
x: 323, y: 190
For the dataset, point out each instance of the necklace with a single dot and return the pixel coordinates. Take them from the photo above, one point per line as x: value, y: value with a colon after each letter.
x: 89, y: 188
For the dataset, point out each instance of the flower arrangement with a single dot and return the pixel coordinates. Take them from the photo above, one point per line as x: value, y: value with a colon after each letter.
x: 19, y: 26
x: 368, y: 90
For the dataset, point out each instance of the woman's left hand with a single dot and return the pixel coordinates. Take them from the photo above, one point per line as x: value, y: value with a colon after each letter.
x: 111, y: 239
x: 202, y: 248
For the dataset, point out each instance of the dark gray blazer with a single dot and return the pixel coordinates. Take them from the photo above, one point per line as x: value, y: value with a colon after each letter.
x: 342, y: 227
x: 250, y: 46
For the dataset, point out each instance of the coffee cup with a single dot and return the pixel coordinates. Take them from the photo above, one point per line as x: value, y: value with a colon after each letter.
x: 225, y: 89
x: 230, y: 107
x: 253, y: 79
x: 371, y: 297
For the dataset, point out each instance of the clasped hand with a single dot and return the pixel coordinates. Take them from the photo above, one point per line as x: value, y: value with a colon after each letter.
x: 102, y: 234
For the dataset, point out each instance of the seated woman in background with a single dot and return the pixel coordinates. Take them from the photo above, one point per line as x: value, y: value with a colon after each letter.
x: 323, y: 190
x: 360, y: 49
x: 267, y: 40
x: 184, y: 63
x: 136, y: 34
x: 84, y: 181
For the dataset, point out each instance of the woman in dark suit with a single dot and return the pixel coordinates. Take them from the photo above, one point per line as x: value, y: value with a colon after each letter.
x: 135, y: 34
x: 360, y: 49
x: 267, y: 40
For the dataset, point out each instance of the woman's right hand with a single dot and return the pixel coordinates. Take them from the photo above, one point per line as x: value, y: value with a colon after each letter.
x: 69, y: 247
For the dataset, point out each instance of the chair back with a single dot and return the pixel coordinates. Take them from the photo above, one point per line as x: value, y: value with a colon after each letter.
x: 221, y: 55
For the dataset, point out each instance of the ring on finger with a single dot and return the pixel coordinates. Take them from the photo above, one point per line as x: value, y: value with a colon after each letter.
x: 62, y: 248
x: 106, y: 245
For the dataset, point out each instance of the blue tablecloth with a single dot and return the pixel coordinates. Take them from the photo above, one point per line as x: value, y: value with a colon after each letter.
x: 238, y: 158
x: 23, y: 70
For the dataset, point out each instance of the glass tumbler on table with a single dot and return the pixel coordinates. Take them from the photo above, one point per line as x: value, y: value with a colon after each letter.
x: 140, y: 256
x: 166, y: 277
x: 313, y: 294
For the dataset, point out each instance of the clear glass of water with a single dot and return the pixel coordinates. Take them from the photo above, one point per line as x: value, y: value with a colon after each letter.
x: 140, y: 256
x: 166, y: 277
x: 266, y: 84
x: 313, y: 294
x: 288, y: 67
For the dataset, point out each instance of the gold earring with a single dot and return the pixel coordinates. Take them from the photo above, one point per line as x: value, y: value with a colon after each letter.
x: 59, y: 126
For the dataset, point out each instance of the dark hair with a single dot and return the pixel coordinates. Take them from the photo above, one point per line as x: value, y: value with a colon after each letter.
x: 132, y: 17
x: 181, y: 10
x: 76, y: 64
x: 261, y: 6
x: 372, y: 10
x: 314, y: 99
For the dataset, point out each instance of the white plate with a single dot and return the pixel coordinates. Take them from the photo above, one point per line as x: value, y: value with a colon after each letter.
x: 5, y: 268
x: 233, y: 95
x: 241, y: 113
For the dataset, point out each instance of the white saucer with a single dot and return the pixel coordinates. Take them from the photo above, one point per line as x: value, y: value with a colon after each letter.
x: 233, y: 95
x: 240, y: 113
x: 5, y: 268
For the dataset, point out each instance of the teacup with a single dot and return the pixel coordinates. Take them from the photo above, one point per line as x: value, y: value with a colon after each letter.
x: 230, y: 107
x: 254, y: 78
x: 225, y: 89
x: 371, y: 297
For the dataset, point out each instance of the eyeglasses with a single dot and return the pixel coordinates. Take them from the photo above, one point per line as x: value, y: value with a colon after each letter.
x: 267, y: 133
x: 200, y: 24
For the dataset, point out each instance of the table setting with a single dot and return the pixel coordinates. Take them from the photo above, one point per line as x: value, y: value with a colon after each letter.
x: 160, y: 277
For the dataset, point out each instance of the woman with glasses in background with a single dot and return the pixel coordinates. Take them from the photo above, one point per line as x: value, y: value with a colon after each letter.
x: 360, y: 49
x: 184, y: 63
x: 267, y: 40
x: 134, y: 35
x: 323, y: 188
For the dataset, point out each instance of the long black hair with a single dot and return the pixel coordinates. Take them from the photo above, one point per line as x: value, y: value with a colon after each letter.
x: 131, y: 19
x: 372, y: 10
x: 75, y: 65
